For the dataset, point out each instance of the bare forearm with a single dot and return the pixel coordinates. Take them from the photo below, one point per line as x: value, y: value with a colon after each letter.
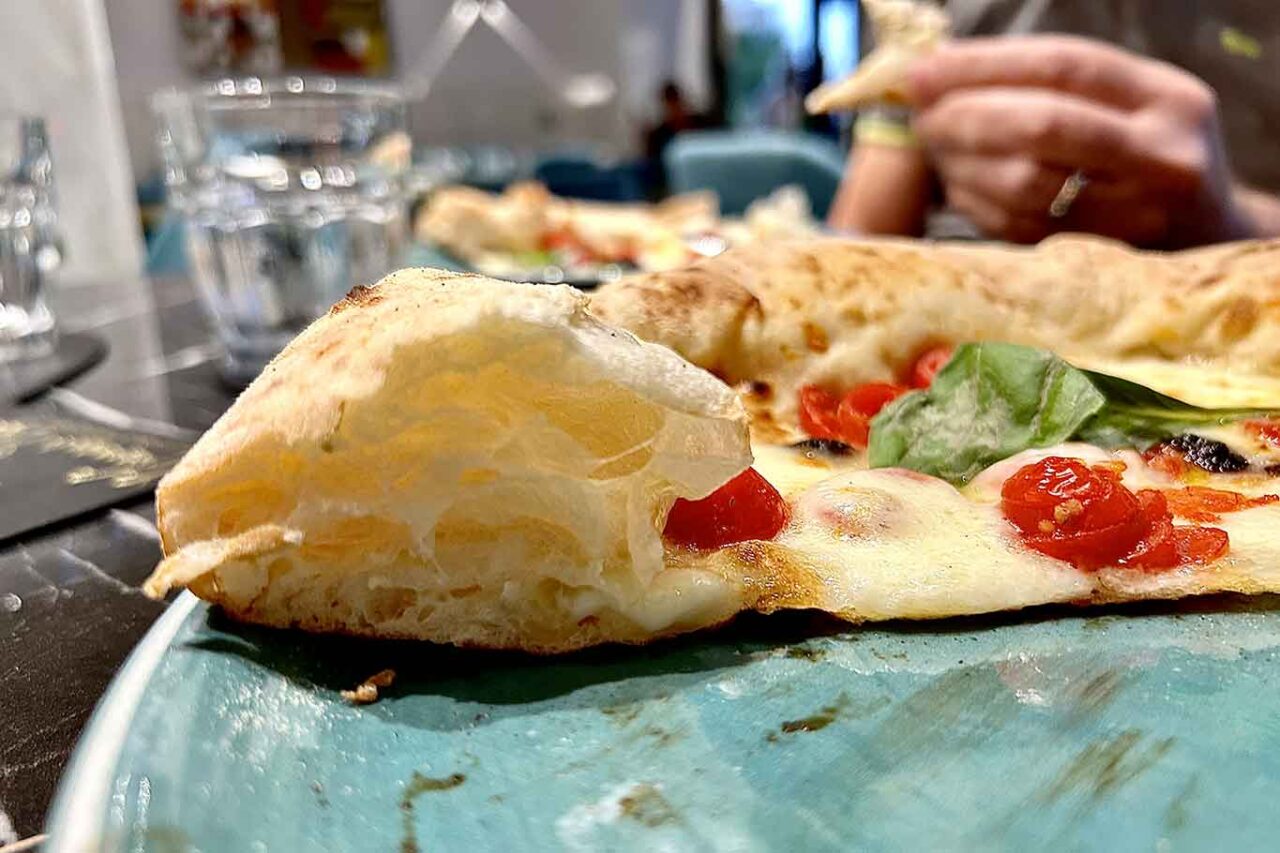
x: 885, y: 191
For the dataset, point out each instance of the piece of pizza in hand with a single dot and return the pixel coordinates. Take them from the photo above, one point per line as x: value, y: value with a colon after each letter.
x: 904, y: 31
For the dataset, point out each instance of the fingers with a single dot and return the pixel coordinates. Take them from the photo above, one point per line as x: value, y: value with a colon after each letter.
x: 1048, y: 127
x: 997, y: 221
x: 1018, y: 184
x: 1112, y: 210
x: 1025, y: 185
x: 1072, y: 65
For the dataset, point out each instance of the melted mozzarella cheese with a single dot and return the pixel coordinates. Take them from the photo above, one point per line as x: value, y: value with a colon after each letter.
x: 889, y: 543
x: 1136, y: 475
x: 1210, y: 386
x: 791, y: 470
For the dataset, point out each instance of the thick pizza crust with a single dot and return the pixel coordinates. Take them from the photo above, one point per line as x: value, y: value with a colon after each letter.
x: 836, y: 312
x: 457, y: 459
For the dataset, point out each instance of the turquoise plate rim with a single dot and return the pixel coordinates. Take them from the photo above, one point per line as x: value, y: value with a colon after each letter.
x: 1133, y: 651
x: 76, y: 820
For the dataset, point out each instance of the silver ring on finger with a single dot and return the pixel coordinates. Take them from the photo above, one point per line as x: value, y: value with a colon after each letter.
x: 1067, y: 195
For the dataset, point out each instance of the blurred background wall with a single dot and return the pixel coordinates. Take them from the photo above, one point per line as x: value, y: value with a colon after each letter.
x: 487, y: 92
x: 56, y: 62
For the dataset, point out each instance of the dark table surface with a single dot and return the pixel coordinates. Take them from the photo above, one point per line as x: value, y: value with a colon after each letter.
x: 70, y: 607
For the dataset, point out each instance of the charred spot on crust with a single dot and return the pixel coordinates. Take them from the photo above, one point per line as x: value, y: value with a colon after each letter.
x: 360, y: 295
x: 829, y: 446
x: 762, y: 391
x: 1207, y: 453
x: 1240, y: 318
x: 815, y: 337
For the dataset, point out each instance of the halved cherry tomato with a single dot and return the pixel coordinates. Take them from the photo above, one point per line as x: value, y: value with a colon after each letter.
x: 1166, y: 546
x: 928, y: 364
x: 1201, y: 545
x: 860, y: 405
x: 1086, y: 549
x: 1159, y: 546
x: 818, y: 413
x: 869, y: 398
x: 1073, y: 512
x: 855, y: 427
x: 1088, y: 518
x: 745, y: 508
x: 1066, y: 495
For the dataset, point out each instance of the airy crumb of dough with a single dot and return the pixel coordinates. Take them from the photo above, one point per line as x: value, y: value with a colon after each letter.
x: 367, y: 691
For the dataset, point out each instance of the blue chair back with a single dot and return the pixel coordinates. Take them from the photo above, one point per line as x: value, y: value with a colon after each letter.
x: 742, y: 166
x: 583, y: 176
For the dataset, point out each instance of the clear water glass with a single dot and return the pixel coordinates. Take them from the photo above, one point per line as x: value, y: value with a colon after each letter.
x: 291, y: 192
x: 29, y: 246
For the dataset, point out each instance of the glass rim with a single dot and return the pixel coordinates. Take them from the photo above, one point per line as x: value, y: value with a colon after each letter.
x: 249, y: 91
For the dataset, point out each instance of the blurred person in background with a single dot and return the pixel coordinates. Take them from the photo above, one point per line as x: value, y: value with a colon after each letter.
x: 1017, y: 137
x: 675, y: 117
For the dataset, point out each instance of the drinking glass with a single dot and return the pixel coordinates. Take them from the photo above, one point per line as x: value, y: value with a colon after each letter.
x: 291, y: 192
x: 29, y: 252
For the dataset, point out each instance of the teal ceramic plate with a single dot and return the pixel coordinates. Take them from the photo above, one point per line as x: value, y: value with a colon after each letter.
x: 1147, y: 728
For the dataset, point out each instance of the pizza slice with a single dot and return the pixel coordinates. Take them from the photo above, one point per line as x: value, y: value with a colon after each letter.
x: 461, y: 460
x: 1009, y: 478
x: 904, y: 31
x: 525, y: 227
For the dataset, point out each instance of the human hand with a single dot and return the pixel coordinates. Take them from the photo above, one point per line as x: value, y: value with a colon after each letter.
x: 1007, y: 120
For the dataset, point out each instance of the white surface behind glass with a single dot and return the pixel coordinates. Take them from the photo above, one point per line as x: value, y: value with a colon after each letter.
x: 56, y: 62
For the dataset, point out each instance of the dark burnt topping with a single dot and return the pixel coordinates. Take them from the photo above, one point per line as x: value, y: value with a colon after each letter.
x: 829, y: 446
x: 1207, y: 453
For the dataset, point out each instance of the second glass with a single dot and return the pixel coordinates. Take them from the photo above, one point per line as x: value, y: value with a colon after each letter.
x: 291, y: 192
x: 29, y: 246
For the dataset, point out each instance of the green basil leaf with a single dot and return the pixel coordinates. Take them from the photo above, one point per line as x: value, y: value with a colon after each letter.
x: 991, y: 401
x: 534, y: 258
x: 1136, y: 416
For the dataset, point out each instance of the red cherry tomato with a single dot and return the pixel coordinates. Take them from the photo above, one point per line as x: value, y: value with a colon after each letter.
x: 928, y: 364
x: 1088, y: 518
x: 1158, y: 548
x: 1073, y: 512
x: 855, y: 427
x: 745, y: 508
x: 562, y: 239
x: 1166, y: 546
x: 1201, y: 545
x: 868, y: 399
x: 1057, y: 493
x: 818, y: 412
x: 860, y: 405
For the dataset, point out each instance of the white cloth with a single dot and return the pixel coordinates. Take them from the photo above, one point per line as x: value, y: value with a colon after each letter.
x: 56, y: 62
